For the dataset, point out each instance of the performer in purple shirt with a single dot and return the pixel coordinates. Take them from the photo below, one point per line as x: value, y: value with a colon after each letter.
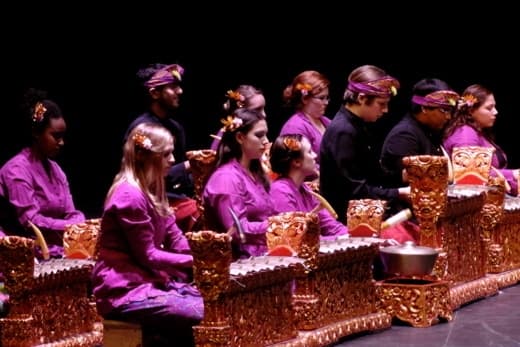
x: 33, y: 183
x: 472, y: 126
x: 308, y: 94
x: 239, y: 185
x: 245, y: 96
x: 293, y: 159
x: 144, y: 260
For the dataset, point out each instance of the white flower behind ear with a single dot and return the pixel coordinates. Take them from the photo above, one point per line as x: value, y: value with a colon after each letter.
x: 142, y: 141
x: 147, y: 143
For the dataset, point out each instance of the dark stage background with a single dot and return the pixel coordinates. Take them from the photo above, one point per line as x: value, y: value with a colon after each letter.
x: 89, y: 66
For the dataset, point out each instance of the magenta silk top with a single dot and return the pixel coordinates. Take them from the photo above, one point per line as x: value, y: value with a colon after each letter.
x: 288, y: 197
x: 139, y: 251
x: 44, y: 199
x: 466, y: 135
x: 230, y: 186
x: 300, y: 124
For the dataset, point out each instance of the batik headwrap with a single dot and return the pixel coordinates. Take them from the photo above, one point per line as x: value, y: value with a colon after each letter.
x: 381, y: 87
x: 439, y: 98
x: 168, y: 74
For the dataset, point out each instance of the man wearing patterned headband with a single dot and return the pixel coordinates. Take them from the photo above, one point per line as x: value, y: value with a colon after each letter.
x: 162, y: 83
x: 349, y: 166
x: 420, y: 131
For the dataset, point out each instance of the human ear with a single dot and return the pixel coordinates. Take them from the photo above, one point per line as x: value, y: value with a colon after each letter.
x: 240, y: 137
x: 154, y: 93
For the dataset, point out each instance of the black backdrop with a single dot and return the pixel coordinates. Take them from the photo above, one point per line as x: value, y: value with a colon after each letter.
x: 88, y: 67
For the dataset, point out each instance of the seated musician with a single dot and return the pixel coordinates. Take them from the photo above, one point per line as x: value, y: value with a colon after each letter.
x: 162, y: 84
x: 244, y: 96
x: 239, y: 186
x: 144, y: 261
x: 32, y: 183
x: 293, y: 159
x: 472, y: 126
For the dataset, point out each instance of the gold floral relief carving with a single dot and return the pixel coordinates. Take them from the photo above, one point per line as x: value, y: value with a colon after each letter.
x: 212, y: 257
x: 202, y: 165
x: 417, y: 303
x: 428, y: 178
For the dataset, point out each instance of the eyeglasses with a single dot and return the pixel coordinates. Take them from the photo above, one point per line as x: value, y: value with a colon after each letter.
x: 322, y: 98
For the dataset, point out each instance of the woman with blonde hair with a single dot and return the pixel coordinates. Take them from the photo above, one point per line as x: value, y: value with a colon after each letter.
x: 144, y: 264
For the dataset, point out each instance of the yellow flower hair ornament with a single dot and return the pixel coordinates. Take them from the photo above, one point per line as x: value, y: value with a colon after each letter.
x: 231, y: 123
x: 142, y: 141
x: 467, y: 100
x: 292, y: 144
x: 304, y: 88
x: 237, y: 97
x: 39, y: 112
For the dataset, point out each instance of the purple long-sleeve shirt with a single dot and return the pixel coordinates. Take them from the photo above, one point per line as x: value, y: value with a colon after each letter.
x: 466, y: 135
x: 288, y: 197
x: 300, y: 124
x: 38, y: 196
x: 139, y: 251
x: 230, y: 186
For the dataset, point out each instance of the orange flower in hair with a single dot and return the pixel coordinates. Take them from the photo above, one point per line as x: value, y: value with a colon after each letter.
x: 304, y: 88
x: 231, y: 123
x: 142, y: 141
x: 39, y: 111
x: 292, y: 144
x: 235, y: 95
x: 468, y: 100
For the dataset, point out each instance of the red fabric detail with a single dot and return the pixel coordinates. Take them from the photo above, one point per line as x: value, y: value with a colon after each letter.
x: 405, y: 231
x: 186, y: 213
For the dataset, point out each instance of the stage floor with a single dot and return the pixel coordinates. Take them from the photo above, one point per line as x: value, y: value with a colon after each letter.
x: 493, y: 321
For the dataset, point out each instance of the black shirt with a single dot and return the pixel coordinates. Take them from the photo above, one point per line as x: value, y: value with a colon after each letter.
x: 349, y: 164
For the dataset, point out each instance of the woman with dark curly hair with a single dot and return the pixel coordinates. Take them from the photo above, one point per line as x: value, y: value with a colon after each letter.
x: 33, y: 182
